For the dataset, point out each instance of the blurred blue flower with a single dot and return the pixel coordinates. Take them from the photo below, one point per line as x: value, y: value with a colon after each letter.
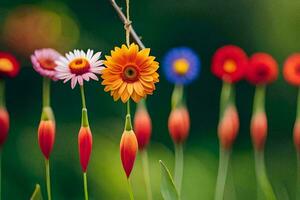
x: 181, y: 65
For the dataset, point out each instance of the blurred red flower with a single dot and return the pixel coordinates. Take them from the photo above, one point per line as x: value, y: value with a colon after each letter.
x: 9, y: 66
x: 229, y: 63
x: 262, y: 69
x: 291, y: 69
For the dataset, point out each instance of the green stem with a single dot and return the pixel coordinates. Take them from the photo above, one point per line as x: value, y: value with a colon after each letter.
x: 298, y: 104
x: 0, y: 174
x: 130, y: 192
x: 177, y: 96
x: 86, y: 195
x: 128, y: 125
x: 48, y: 181
x: 145, y: 165
x: 227, y: 97
x: 259, y: 99
x: 84, y: 119
x: 2, y: 93
x: 262, y: 178
x: 222, y: 173
x: 178, y: 167
x: 46, y: 92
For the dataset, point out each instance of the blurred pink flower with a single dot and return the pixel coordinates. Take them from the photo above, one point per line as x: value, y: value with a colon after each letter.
x: 43, y: 61
x: 78, y: 66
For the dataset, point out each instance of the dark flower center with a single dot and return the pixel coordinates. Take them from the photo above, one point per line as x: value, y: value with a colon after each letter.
x: 130, y: 73
x: 47, y: 64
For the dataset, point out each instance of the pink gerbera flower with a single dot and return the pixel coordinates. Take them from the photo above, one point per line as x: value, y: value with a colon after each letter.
x: 43, y: 61
x: 78, y: 66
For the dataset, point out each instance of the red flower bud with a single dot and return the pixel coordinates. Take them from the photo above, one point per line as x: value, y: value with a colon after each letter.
x: 179, y: 124
x: 228, y: 127
x: 4, y: 125
x: 259, y: 128
x: 46, y: 137
x: 142, y: 127
x: 128, y: 150
x: 85, y: 143
x: 297, y: 134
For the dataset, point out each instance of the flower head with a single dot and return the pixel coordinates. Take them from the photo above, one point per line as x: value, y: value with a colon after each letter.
x: 228, y: 127
x: 128, y: 150
x: 262, y: 69
x: 229, y: 63
x: 179, y: 124
x: 181, y: 65
x: 85, y: 143
x: 259, y: 129
x: 4, y: 125
x: 43, y: 61
x: 130, y: 73
x: 9, y: 66
x: 291, y: 69
x: 79, y: 66
x: 142, y: 127
x: 46, y: 137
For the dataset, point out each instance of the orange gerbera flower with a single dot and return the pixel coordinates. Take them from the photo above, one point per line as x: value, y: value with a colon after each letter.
x: 130, y: 73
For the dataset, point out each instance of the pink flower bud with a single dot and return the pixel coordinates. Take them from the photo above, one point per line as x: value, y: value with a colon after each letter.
x: 46, y: 137
x: 142, y: 127
x: 85, y: 143
x: 179, y: 124
x: 228, y: 127
x: 4, y: 125
x: 128, y: 150
x: 259, y: 129
x: 297, y: 134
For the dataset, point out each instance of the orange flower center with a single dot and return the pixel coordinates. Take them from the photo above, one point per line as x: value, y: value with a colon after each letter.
x: 229, y: 66
x: 6, y: 65
x: 79, y: 66
x: 47, y: 64
x: 130, y: 73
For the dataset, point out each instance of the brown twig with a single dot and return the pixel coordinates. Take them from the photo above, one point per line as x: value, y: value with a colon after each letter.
x: 127, y: 23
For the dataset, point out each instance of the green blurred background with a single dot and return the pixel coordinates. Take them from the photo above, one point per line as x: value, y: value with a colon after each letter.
x: 271, y: 26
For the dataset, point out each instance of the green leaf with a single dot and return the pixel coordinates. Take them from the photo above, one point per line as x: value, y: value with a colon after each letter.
x: 37, y: 194
x: 167, y: 188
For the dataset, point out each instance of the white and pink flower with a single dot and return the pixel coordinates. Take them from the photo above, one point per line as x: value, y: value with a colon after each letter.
x: 79, y: 66
x: 43, y: 61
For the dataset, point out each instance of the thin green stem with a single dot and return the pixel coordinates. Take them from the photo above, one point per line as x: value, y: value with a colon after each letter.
x: 48, y: 180
x: 86, y: 194
x: 145, y: 165
x: 262, y: 178
x: 82, y: 96
x: 178, y: 167
x: 128, y: 124
x: 177, y: 96
x: 84, y: 118
x: 2, y: 93
x: 259, y: 99
x: 130, y: 192
x: 227, y: 97
x: 46, y: 92
x: 222, y: 173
